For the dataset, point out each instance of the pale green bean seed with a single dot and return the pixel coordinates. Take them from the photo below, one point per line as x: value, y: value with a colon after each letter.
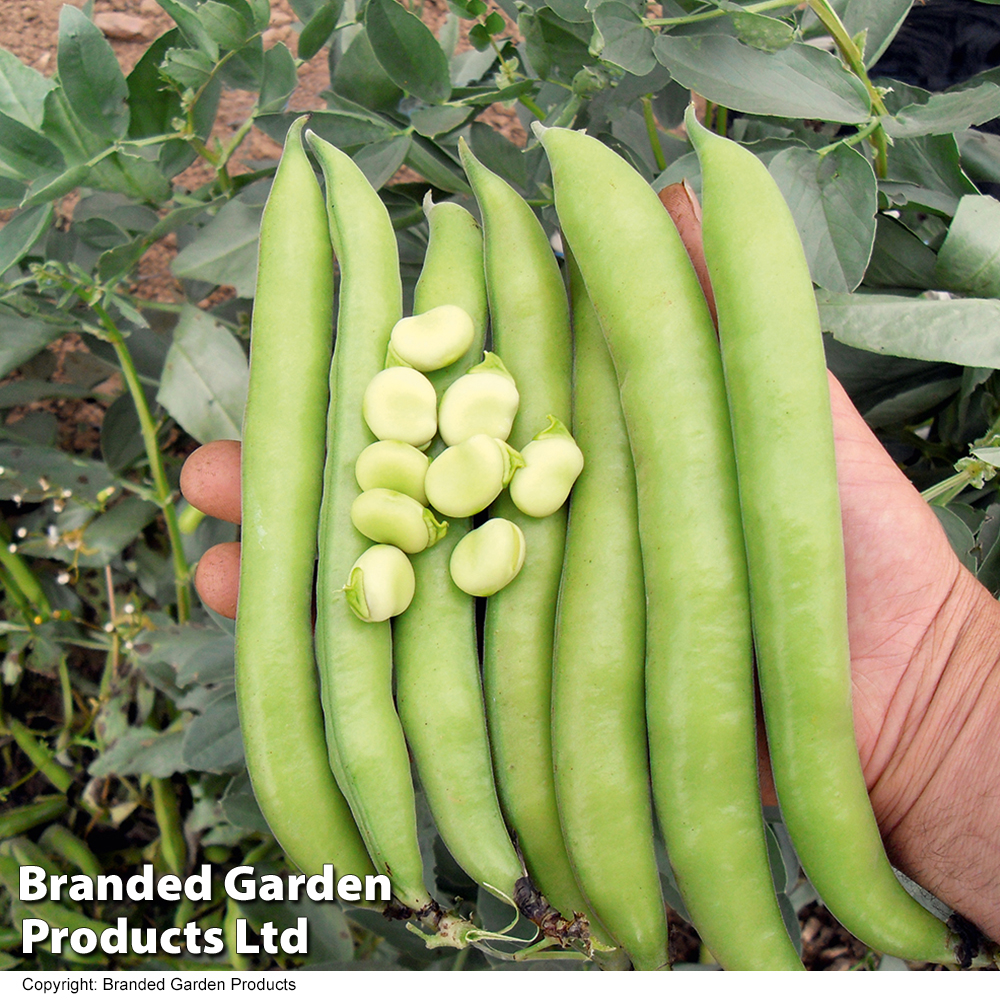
x: 394, y: 518
x: 487, y: 559
x: 552, y: 462
x: 433, y: 339
x: 483, y: 401
x: 393, y: 465
x: 400, y: 404
x: 467, y: 477
x: 381, y: 584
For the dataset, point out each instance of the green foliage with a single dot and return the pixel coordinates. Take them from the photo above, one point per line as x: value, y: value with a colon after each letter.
x: 95, y: 599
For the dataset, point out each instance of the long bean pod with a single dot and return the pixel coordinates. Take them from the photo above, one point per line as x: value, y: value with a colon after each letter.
x: 529, y: 312
x: 283, y: 447
x: 438, y: 688
x: 365, y: 740
x: 699, y: 679
x: 777, y: 387
x: 599, y: 743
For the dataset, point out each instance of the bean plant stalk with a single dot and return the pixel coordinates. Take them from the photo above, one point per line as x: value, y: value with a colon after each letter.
x: 162, y: 488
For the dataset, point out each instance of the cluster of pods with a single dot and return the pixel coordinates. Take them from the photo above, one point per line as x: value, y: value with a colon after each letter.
x: 612, y: 679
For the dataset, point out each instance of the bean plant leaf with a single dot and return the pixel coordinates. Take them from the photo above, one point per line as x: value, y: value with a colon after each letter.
x: 190, y: 69
x: 969, y: 258
x: 21, y: 233
x: 189, y: 22
x: 26, y: 153
x: 899, y: 258
x: 380, y: 160
x: 436, y: 166
x: 204, y: 382
x: 279, y: 80
x: 240, y: 807
x: 91, y: 77
x: 142, y: 750
x: 959, y: 536
x: 556, y: 49
x: 980, y: 155
x: 769, y: 34
x: 945, y: 113
x: 198, y: 654
x: 228, y: 24
x: 499, y: 154
x: 407, y: 50
x: 621, y: 38
x: 225, y: 251
x: 22, y: 90
x: 121, y: 434
x: 319, y: 29
x: 212, y: 740
x: 344, y: 129
x: 833, y: 199
x: 359, y: 77
x: 21, y: 338
x: 107, y: 535
x: 879, y: 19
x: 962, y: 331
x: 33, y: 473
x: 572, y: 10
x: 932, y: 162
x: 437, y: 120
x: 798, y: 82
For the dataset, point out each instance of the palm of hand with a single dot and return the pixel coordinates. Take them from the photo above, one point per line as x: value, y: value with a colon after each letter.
x: 900, y: 569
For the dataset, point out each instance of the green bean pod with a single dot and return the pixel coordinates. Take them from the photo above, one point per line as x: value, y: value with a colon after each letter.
x: 598, y: 702
x: 529, y: 312
x: 438, y: 688
x: 699, y: 673
x: 283, y: 446
x: 365, y: 740
x: 778, y: 392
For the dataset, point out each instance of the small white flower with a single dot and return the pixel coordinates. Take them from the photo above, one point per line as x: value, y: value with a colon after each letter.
x: 63, y: 578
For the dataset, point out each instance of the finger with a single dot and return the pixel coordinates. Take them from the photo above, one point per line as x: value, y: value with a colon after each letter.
x: 210, y: 480
x: 681, y: 204
x: 217, y: 578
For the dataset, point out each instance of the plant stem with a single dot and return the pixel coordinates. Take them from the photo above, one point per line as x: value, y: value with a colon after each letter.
x: 532, y: 107
x: 66, y: 689
x: 22, y: 575
x: 164, y: 493
x: 173, y: 847
x: 653, y: 132
x: 854, y: 58
x: 40, y: 755
x: 852, y: 140
x: 721, y: 120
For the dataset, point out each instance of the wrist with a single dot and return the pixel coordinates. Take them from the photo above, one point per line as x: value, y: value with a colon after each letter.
x: 936, y: 799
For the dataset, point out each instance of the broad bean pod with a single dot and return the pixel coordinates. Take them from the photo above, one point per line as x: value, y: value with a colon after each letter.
x: 529, y: 312
x: 778, y: 392
x: 364, y: 736
x: 283, y: 447
x: 699, y: 670
x: 599, y: 743
x: 438, y: 688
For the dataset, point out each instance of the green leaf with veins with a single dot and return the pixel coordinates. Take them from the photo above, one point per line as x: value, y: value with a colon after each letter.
x: 407, y: 50
x: 91, y: 77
